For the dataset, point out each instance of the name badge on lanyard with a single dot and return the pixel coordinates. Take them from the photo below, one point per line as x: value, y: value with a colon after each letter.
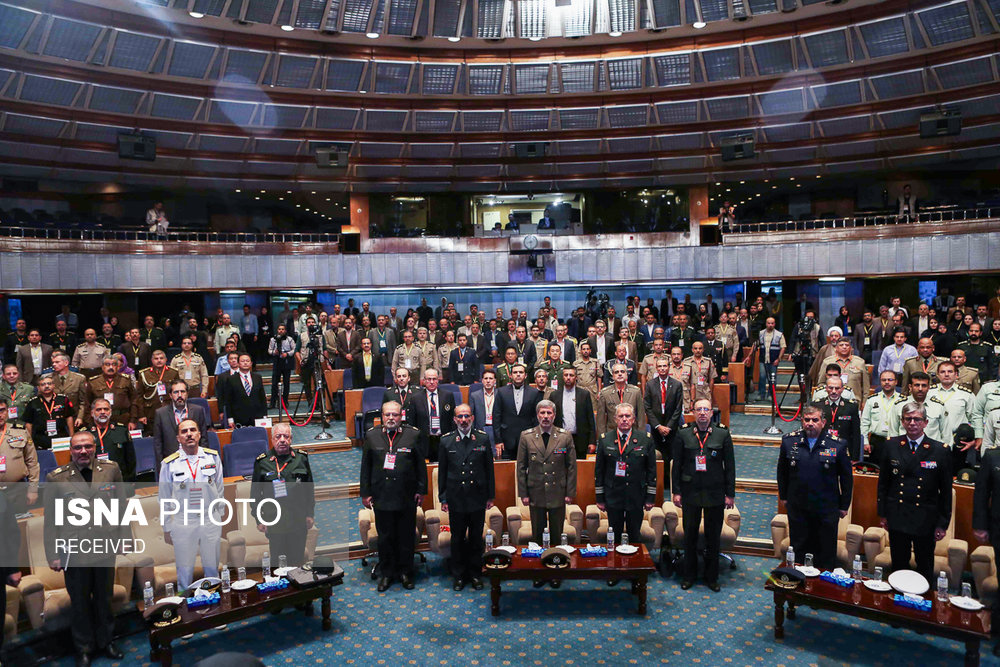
x: 161, y: 389
x: 620, y: 468
x: 3, y: 464
x: 460, y: 367
x: 280, y: 490
x: 187, y: 375
x: 390, y: 462
x: 50, y: 427
x: 868, y: 340
x: 109, y: 397
x: 700, y: 463
x: 12, y: 412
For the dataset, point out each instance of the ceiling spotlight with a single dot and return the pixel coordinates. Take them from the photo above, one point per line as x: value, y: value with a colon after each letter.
x: 238, y: 190
x: 371, y: 35
x: 615, y: 33
x: 454, y: 39
x: 698, y: 25
x: 287, y: 28
x: 196, y: 15
x: 534, y: 39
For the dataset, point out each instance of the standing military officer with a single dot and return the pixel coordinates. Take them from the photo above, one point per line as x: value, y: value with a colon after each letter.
x: 284, y: 475
x: 625, y: 475
x: 703, y: 479
x: 924, y: 362
x: 192, y: 475
x: 113, y: 440
x: 89, y: 354
x: 49, y: 415
x: 816, y: 482
x: 69, y: 384
x: 701, y: 374
x: 987, y: 400
x: 546, y: 474
x: 978, y: 353
x: 875, y: 416
x: 89, y: 573
x: 117, y: 390
x: 920, y: 385
x: 615, y: 394
x: 466, y: 491
x: 408, y: 356
x: 191, y: 368
x: 393, y: 483
x: 958, y: 402
x: 914, y: 493
x: 843, y: 419
x: 16, y: 393
x: 152, y: 391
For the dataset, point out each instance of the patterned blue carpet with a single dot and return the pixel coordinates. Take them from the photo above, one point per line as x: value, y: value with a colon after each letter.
x: 337, y: 521
x: 582, y: 623
x: 756, y: 512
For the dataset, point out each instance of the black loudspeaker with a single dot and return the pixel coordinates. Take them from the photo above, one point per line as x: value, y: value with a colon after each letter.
x: 350, y: 244
x: 737, y: 147
x: 134, y: 146
x: 331, y: 157
x: 532, y: 150
x: 943, y: 123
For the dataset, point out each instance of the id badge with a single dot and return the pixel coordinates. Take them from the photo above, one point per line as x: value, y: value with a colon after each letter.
x: 390, y: 462
x: 137, y: 362
x: 868, y: 340
x: 409, y: 363
x: 103, y: 456
x: 109, y: 397
x: 50, y: 427
x: 381, y: 345
x: 555, y: 384
x: 701, y: 381
x: 435, y: 423
x: 834, y: 432
x: 280, y: 490
x: 700, y: 464
x: 161, y: 389
x: 12, y: 412
x: 520, y: 360
x: 844, y: 377
x: 403, y: 415
x: 489, y: 419
x: 460, y: 367
x: 996, y: 349
x: 620, y: 467
x: 187, y: 375
x: 3, y: 464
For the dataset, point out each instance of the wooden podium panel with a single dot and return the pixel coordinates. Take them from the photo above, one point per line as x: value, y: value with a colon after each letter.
x: 352, y: 405
x: 735, y: 372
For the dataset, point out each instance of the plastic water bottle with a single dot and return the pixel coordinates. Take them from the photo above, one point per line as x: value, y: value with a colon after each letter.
x: 225, y: 580
x: 265, y: 564
x: 545, y: 539
x: 147, y: 595
x: 790, y: 557
x: 942, y: 590
x: 489, y: 540
x: 856, y: 568
x: 611, y: 538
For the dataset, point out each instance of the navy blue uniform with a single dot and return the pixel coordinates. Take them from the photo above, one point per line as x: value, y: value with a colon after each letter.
x: 816, y: 485
x: 465, y: 484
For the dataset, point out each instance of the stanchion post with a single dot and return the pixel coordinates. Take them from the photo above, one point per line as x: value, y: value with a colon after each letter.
x: 773, y: 428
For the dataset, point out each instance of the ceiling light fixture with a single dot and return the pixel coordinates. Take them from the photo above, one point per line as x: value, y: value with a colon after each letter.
x: 615, y: 33
x: 454, y: 39
x: 698, y: 25
x: 371, y: 35
x: 534, y: 39
x: 287, y: 28
x: 196, y: 15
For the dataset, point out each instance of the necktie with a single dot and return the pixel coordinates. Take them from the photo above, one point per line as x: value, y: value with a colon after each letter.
x: 246, y: 383
x: 663, y: 392
x: 87, y: 474
x: 913, y: 446
x: 434, y: 409
x: 545, y: 438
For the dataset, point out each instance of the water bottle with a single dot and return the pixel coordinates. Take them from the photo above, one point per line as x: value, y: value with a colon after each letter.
x: 147, y: 595
x: 545, y: 539
x: 225, y: 580
x: 942, y: 590
x: 611, y: 538
x: 489, y: 540
x: 790, y: 557
x: 856, y: 568
x: 564, y: 539
x: 265, y: 564
x: 505, y: 539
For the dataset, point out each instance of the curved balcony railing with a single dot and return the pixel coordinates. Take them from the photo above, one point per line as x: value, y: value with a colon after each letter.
x: 181, y: 236
x: 942, y: 214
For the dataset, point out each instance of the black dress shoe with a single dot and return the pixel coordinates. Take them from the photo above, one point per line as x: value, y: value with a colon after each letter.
x: 383, y: 584
x: 82, y: 660
x: 714, y: 586
x: 476, y: 583
x: 555, y: 583
x: 537, y: 583
x: 686, y: 584
x: 407, y: 582
x: 458, y: 584
x: 113, y: 652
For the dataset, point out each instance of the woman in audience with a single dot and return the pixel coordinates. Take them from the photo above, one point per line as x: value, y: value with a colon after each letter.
x: 123, y: 367
x: 264, y: 332
x: 844, y: 321
x: 116, y: 328
x: 959, y: 329
x: 944, y: 342
x: 170, y: 333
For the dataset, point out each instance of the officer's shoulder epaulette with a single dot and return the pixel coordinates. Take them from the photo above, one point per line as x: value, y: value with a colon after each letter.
x: 851, y: 400
x: 965, y: 388
x: 479, y: 431
x: 721, y: 426
x: 58, y: 471
x: 210, y: 452
x: 262, y: 455
x: 935, y: 399
x: 687, y: 425
x: 172, y: 457
x: 557, y: 429
x: 82, y: 344
x: 798, y: 432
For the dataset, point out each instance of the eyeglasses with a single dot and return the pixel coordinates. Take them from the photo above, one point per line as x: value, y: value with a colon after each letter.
x: 913, y: 419
x: 703, y: 409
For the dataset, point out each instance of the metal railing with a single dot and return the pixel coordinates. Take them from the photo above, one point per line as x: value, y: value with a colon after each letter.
x: 937, y: 215
x: 180, y: 236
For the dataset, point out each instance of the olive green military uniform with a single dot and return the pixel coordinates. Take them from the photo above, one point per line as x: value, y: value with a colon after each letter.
x: 969, y: 378
x: 121, y: 393
x: 115, y: 444
x: 152, y: 392
x: 287, y: 479
x: 72, y: 386
x: 918, y: 363
x: 979, y: 356
x: 18, y: 397
x: 554, y: 371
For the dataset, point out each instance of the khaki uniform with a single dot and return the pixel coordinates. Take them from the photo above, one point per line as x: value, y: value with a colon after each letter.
x: 18, y: 452
x: 958, y: 406
x: 17, y: 397
x: 121, y: 393
x: 935, y: 420
x: 541, y: 344
x: 731, y: 341
x: 855, y: 375
x: 89, y: 358
x: 427, y: 355
x: 152, y: 392
x: 72, y: 386
x: 987, y: 400
x: 546, y: 475
x: 875, y: 416
x: 647, y: 368
x: 609, y: 400
x: 969, y: 378
x: 699, y: 376
x: 443, y: 355
x: 587, y: 374
x: 918, y: 363
x: 682, y: 374
x: 193, y: 371
x: 411, y: 359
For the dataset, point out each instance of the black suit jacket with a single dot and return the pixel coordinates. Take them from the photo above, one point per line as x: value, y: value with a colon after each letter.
x: 470, y: 367
x: 393, y: 490
x: 165, y: 429
x: 392, y: 394
x: 671, y: 417
x: 512, y: 422
x: 418, y: 415
x: 914, y: 489
x: 586, y: 424
x: 665, y: 311
x: 241, y: 408
x: 986, y: 500
x: 358, y: 372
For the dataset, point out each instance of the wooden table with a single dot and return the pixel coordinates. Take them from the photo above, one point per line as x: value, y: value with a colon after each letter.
x: 236, y: 606
x: 635, y: 568
x: 943, y: 620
